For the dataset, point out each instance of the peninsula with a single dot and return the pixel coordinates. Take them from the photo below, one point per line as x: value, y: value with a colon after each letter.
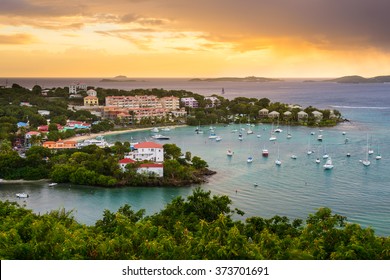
x: 235, y: 79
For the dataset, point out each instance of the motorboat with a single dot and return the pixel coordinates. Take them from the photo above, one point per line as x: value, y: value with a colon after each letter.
x: 22, y: 195
x: 218, y: 138
x: 52, y: 184
x: 249, y: 159
x: 293, y: 156
x: 160, y: 137
x: 264, y: 152
x: 229, y: 153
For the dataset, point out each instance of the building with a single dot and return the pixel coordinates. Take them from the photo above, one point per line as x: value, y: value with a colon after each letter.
x: 214, y: 101
x: 274, y: 115
x: 77, y: 125
x: 302, y: 115
x: 189, y: 102
x: 317, y: 115
x: 156, y: 169
x: 149, y: 151
x: 60, y: 144
x: 44, y: 113
x: 92, y: 92
x: 45, y: 128
x: 263, y: 113
x: 91, y: 100
x: 138, y: 101
x: 171, y: 103
x: 125, y: 161
x: 77, y: 87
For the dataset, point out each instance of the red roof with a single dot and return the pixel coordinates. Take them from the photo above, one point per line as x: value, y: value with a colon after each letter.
x: 152, y: 165
x: 148, y: 145
x: 126, y: 161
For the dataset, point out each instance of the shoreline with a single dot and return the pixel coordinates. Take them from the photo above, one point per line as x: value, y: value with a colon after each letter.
x: 114, y: 132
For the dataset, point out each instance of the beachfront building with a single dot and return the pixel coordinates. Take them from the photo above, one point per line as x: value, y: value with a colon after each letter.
x: 287, y: 114
x: 91, y: 100
x: 302, y: 115
x: 189, y: 102
x: 274, y: 115
x: 77, y: 125
x: 263, y: 113
x: 60, y: 144
x: 77, y: 87
x: 155, y: 169
x: 149, y: 151
x: 317, y: 115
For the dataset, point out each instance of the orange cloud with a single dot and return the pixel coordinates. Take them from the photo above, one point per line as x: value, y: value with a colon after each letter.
x: 16, y: 39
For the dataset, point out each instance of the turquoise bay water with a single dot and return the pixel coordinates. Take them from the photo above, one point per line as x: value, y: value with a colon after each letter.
x: 295, y: 189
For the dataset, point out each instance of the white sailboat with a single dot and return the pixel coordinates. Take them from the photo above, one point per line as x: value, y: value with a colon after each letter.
x: 278, y: 161
x: 272, y: 136
x: 309, y: 150
x: 288, y: 133
x: 378, y: 155
x: 366, y: 162
x: 328, y: 164
x: 325, y: 155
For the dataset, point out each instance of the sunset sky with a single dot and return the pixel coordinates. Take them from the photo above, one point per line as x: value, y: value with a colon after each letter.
x: 198, y: 38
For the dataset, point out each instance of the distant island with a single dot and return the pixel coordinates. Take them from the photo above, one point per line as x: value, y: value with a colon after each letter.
x: 360, y: 80
x: 235, y: 79
x: 118, y: 79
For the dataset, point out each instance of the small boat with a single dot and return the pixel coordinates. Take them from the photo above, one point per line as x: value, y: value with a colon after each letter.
x: 229, y: 153
x: 234, y: 130
x: 289, y: 136
x: 212, y: 135
x: 312, y: 133
x: 264, y: 152
x: 378, y: 157
x: 319, y: 137
x: 328, y: 164
x: 249, y: 159
x: 348, y: 154
x: 22, y: 195
x: 52, y: 184
x: 318, y: 161
x: 165, y: 129
x: 218, y: 138
x: 155, y: 130
x: 272, y: 138
x: 293, y: 156
x: 255, y: 185
x: 249, y: 131
x: 344, y: 133
x: 160, y: 137
x: 258, y: 136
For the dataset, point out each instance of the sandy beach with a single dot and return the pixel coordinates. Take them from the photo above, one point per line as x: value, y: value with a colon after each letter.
x: 94, y: 135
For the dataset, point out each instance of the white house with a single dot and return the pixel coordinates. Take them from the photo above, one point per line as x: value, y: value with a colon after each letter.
x: 91, y: 92
x: 274, y: 114
x: 147, y: 151
x: 151, y: 168
x: 317, y: 115
x: 76, y: 87
x: 264, y: 112
x: 124, y: 162
x: 302, y: 115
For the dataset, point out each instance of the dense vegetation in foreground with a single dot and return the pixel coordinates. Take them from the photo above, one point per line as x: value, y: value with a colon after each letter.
x: 200, y: 227
x: 95, y: 166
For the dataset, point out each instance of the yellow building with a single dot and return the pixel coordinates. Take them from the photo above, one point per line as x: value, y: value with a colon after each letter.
x: 91, y: 101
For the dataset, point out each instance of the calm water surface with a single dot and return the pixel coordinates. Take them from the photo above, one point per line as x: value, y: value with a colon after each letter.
x: 295, y: 189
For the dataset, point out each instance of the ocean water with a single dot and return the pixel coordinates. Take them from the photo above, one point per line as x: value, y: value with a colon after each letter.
x: 294, y: 189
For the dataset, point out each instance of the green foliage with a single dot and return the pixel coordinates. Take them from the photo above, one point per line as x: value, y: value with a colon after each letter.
x: 198, y: 227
